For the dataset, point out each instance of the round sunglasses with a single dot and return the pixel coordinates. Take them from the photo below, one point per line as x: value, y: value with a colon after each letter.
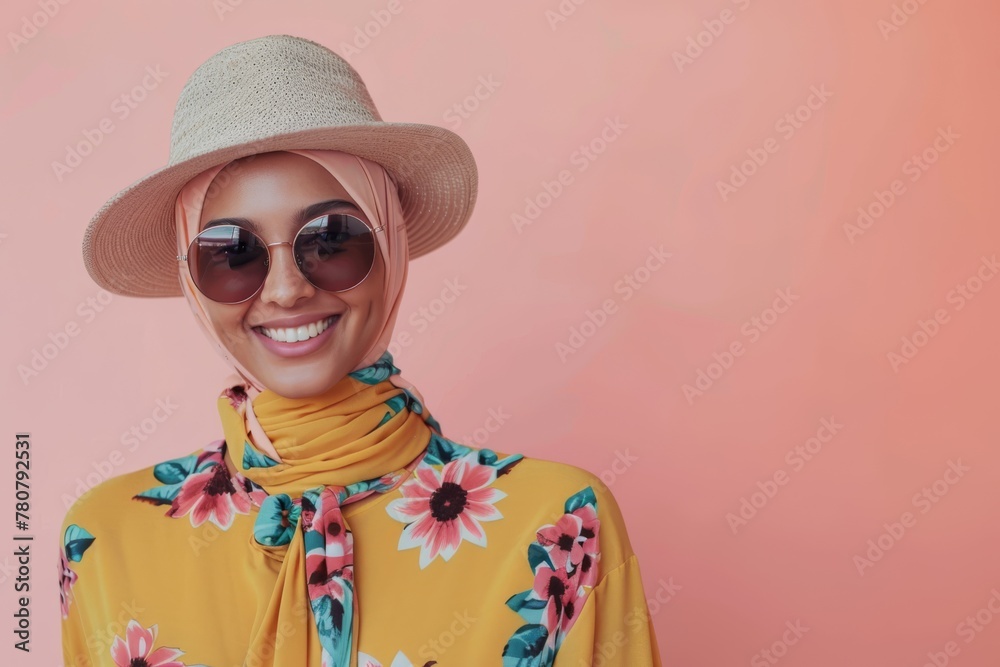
x: 229, y: 263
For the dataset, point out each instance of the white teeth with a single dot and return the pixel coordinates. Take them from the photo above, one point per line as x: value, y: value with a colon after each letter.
x: 296, y: 334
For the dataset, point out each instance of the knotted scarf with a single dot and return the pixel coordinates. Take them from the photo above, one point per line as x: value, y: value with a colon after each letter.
x: 363, y: 436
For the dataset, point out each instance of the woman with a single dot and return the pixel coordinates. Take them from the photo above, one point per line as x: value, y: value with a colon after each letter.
x: 332, y: 523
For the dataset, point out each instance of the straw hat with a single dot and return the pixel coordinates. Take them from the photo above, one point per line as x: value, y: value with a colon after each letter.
x: 269, y: 94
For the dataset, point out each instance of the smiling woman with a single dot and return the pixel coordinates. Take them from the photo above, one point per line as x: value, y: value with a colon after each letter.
x: 287, y: 220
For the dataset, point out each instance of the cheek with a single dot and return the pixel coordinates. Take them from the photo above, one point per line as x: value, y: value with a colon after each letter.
x: 228, y: 323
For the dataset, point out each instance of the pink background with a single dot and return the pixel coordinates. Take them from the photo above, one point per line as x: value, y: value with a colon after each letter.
x: 687, y: 126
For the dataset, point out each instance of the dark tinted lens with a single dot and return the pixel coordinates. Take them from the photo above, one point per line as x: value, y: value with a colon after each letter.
x: 335, y: 252
x: 228, y: 263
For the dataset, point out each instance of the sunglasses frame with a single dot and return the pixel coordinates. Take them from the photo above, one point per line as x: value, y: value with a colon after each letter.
x: 267, y: 261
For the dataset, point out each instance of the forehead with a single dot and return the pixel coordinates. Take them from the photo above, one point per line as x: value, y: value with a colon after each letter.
x: 270, y: 184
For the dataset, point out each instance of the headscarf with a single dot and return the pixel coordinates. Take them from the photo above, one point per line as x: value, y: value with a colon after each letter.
x: 374, y: 192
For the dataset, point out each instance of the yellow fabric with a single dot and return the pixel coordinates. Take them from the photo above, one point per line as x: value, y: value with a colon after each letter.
x: 140, y: 579
x: 327, y: 439
x: 615, y: 627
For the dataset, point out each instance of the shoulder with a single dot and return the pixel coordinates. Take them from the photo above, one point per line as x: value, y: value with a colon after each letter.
x: 119, y: 504
x: 544, y: 497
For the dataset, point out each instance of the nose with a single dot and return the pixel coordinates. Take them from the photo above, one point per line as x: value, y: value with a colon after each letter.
x: 285, y: 283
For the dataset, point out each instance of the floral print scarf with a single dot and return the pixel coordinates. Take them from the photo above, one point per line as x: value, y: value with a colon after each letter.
x: 363, y: 436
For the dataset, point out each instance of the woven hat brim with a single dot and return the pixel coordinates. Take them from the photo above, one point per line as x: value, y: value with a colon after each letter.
x: 130, y: 245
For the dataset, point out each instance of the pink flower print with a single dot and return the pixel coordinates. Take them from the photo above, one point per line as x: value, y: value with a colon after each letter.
x: 245, y: 486
x: 136, y: 650
x: 335, y: 560
x: 67, y: 578
x: 388, y: 480
x: 591, y: 544
x: 562, y: 592
x: 442, y: 509
x: 572, y: 543
x: 210, y: 496
x: 255, y: 493
x: 563, y: 541
x: 236, y: 395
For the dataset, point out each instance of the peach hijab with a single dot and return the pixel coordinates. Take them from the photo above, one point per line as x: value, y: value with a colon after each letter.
x: 375, y: 194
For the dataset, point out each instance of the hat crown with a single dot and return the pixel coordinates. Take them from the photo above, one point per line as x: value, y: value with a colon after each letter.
x: 274, y: 85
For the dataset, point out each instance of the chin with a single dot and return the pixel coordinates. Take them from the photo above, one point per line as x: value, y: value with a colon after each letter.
x: 300, y: 385
x: 297, y: 390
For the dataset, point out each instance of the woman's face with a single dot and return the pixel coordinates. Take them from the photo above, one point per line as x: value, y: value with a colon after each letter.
x: 272, y: 190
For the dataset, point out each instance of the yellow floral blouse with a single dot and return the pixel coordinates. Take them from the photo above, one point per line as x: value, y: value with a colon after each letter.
x: 473, y: 557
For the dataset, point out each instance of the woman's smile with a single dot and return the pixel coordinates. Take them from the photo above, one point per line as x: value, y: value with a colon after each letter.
x: 297, y: 341
x: 298, y: 328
